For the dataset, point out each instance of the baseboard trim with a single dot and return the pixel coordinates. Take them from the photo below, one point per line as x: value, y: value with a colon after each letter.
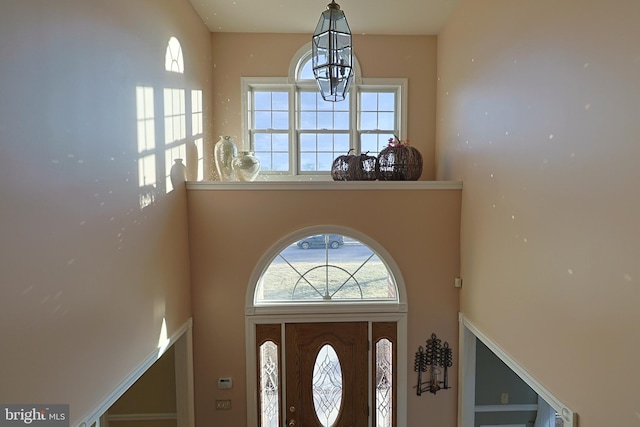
x: 142, y: 417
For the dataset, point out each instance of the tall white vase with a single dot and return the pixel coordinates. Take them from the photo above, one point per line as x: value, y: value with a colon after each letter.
x: 223, y: 153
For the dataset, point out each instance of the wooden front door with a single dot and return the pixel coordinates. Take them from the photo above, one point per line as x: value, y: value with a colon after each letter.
x: 326, y: 374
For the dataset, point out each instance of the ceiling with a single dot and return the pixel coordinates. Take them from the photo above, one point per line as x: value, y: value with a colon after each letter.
x: 399, y: 17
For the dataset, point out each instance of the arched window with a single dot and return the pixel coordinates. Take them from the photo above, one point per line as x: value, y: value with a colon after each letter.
x: 173, y: 58
x: 326, y: 292
x: 304, y: 70
x: 325, y: 267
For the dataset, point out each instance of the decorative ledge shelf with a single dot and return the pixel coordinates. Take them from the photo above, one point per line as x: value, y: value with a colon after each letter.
x: 325, y: 185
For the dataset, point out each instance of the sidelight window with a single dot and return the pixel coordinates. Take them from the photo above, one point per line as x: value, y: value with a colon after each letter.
x: 384, y: 383
x: 269, y: 380
x: 385, y: 368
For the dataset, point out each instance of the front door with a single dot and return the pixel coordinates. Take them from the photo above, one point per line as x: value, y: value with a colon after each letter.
x: 326, y: 378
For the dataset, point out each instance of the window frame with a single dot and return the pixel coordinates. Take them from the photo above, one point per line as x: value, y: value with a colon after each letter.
x: 269, y: 333
x: 349, y: 311
x: 336, y: 268
x: 265, y: 84
x: 294, y: 86
x: 384, y: 331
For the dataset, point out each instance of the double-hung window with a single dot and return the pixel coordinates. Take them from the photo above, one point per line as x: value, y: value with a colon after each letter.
x: 297, y: 135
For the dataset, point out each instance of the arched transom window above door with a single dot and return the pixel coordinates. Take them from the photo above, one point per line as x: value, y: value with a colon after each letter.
x: 325, y: 267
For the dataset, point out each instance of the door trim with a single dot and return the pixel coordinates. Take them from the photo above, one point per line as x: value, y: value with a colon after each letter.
x: 363, y: 311
x: 468, y: 333
x: 183, y: 341
x: 251, y: 360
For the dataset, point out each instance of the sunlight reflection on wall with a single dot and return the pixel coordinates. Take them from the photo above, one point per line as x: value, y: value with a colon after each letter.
x: 183, y: 115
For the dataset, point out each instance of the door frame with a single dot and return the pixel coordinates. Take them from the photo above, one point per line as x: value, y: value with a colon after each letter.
x: 338, y: 314
x: 303, y: 312
x: 468, y: 333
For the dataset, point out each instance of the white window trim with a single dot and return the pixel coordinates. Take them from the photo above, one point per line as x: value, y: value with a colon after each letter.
x: 323, y: 312
x: 399, y: 306
x: 336, y: 305
x: 271, y: 83
x: 291, y: 84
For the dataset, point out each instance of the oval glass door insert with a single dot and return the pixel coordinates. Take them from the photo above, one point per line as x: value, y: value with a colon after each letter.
x: 327, y: 386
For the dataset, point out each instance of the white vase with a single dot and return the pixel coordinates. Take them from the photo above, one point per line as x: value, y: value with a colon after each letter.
x: 246, y: 166
x: 223, y: 153
x: 178, y: 173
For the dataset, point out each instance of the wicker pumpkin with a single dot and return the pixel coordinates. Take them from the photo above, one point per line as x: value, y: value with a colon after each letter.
x: 350, y: 167
x: 363, y: 168
x: 340, y: 166
x: 399, y: 162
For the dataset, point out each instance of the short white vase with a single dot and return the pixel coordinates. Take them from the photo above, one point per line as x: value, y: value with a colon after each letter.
x: 246, y: 166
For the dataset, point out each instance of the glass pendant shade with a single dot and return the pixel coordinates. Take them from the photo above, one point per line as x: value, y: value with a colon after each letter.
x: 332, y: 54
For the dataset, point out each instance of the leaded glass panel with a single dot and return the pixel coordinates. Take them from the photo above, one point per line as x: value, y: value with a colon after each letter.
x: 326, y: 267
x: 327, y: 386
x: 384, y: 383
x: 269, y: 380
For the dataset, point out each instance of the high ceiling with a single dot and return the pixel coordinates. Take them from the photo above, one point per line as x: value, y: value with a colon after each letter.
x: 399, y: 17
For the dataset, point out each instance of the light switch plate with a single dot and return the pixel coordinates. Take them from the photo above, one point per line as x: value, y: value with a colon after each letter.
x: 223, y: 404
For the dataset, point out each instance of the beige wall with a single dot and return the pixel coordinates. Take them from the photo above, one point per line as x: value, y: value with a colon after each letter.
x: 537, y: 113
x: 269, y: 55
x: 229, y: 231
x: 154, y: 393
x: 87, y: 276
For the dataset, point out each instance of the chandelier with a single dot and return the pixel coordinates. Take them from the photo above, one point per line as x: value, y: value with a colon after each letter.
x: 332, y: 54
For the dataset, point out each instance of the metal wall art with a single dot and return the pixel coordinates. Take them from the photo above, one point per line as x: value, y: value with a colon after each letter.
x: 434, y: 360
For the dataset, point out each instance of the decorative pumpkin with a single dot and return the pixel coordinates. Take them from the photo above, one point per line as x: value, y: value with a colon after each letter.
x: 363, y: 168
x: 340, y: 166
x: 350, y: 167
x: 399, y: 162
